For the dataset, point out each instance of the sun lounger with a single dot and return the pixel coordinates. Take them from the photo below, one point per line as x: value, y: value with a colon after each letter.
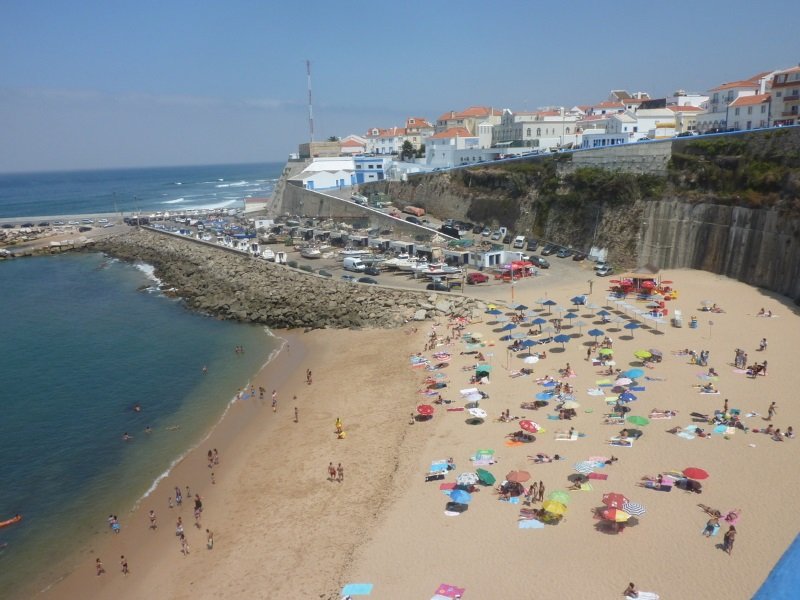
x: 659, y: 416
x: 447, y: 592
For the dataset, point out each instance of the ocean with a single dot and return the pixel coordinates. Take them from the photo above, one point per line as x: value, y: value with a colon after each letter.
x: 134, y: 190
x: 83, y: 339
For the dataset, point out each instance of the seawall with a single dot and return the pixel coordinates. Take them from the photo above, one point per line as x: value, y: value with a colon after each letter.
x: 232, y: 286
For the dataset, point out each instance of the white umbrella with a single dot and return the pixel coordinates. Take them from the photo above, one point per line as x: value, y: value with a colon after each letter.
x: 478, y: 413
x: 529, y: 360
x: 468, y: 391
x: 473, y: 398
x: 623, y: 381
x: 468, y: 478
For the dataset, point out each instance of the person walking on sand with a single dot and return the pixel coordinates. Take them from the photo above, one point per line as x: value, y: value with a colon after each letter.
x: 216, y: 457
x: 123, y: 562
x: 153, y: 524
x: 179, y: 527
x: 184, y: 545
x: 169, y: 502
x: 308, y: 376
x: 727, y: 541
x: 213, y: 481
x: 340, y: 473
x: 209, y: 539
x: 178, y: 496
x: 296, y: 416
x: 100, y: 569
x: 331, y: 472
x: 541, y: 491
x: 210, y: 459
x: 274, y: 401
x: 771, y: 411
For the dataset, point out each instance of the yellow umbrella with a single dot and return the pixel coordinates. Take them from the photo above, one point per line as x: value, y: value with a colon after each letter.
x: 616, y: 515
x: 554, y: 508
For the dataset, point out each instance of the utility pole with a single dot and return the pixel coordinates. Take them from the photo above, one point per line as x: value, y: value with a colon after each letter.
x: 310, y: 110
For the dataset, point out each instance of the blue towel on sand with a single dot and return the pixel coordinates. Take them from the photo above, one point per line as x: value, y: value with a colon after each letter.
x: 553, y: 417
x: 437, y: 467
x: 512, y: 500
x: 357, y: 589
x: 531, y: 524
x: 638, y: 388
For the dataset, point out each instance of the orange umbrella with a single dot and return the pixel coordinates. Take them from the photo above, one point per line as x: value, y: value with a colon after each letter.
x: 518, y: 476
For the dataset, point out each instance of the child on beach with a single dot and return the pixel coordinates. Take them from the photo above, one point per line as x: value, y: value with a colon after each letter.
x: 99, y: 566
x: 209, y: 539
x: 123, y: 562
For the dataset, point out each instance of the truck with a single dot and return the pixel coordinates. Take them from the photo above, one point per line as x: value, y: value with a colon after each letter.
x: 414, y: 210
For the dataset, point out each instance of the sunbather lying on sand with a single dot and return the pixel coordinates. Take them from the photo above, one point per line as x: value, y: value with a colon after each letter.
x: 544, y: 458
x: 657, y: 413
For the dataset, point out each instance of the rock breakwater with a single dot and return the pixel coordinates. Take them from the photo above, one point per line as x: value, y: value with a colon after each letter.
x: 234, y: 286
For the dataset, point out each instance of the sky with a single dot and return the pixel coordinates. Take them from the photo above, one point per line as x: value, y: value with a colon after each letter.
x: 90, y: 84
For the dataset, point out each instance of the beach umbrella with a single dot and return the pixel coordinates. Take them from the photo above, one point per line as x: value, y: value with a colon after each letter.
x: 642, y: 354
x: 539, y: 321
x: 494, y: 311
x: 570, y: 316
x: 592, y: 306
x: 467, y: 479
x: 615, y: 514
x: 529, y: 426
x: 656, y: 352
x: 485, y: 477
x: 623, y: 381
x: 553, y: 507
x: 540, y: 301
x: 530, y: 360
x: 559, y: 496
x: 548, y: 304
x: 630, y: 326
x: 502, y: 319
x: 584, y: 467
x: 634, y: 509
x: 520, y: 307
x: 473, y: 398
x: 426, y: 410
x: 603, y: 313
x: 580, y: 325
x: 576, y: 300
x: 595, y: 333
x: 460, y: 497
x: 633, y: 373
x: 605, y: 352
x: 636, y: 420
x: 518, y: 476
x: 627, y: 397
x: 570, y: 404
x: 518, y: 336
x: 562, y: 339
x: 695, y: 473
x: 614, y: 500
x: 510, y: 326
x: 483, y: 368
x: 544, y: 396
x: 529, y: 343
x: 560, y: 309
x: 549, y: 329
x: 478, y: 413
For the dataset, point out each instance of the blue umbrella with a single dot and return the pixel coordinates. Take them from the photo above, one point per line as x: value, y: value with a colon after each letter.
x: 603, y: 313
x: 578, y: 300
x: 494, y: 311
x: 460, y: 497
x: 506, y: 338
x: 549, y: 384
x: 632, y: 325
x: 634, y: 373
x: 544, y: 395
x: 539, y: 321
x: 520, y: 307
x: 627, y: 397
x: 508, y: 327
x: 570, y: 316
x: 548, y: 304
x: 528, y: 343
x: 596, y: 333
x: 562, y: 339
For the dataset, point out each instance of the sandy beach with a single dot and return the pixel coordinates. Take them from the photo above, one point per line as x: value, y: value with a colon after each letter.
x: 282, y: 530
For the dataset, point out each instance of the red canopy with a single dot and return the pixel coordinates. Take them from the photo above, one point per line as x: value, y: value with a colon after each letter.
x: 425, y: 410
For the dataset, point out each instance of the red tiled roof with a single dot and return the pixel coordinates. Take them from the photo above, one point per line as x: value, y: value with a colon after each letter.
x: 685, y: 108
x: 418, y: 122
x: 735, y: 84
x: 351, y: 144
x: 452, y: 132
x: 750, y: 100
x: 467, y: 113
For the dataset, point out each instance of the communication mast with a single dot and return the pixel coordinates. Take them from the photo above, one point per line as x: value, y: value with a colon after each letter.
x: 310, y: 109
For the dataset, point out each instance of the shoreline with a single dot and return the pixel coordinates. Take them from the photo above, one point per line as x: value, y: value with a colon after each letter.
x: 221, y: 433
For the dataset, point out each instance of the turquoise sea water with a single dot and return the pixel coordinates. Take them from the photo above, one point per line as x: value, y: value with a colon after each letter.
x: 80, y: 345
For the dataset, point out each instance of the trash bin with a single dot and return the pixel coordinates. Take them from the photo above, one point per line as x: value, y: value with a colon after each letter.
x: 693, y: 323
x: 677, y: 319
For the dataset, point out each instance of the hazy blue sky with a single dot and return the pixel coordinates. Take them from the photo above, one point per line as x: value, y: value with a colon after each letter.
x: 94, y: 84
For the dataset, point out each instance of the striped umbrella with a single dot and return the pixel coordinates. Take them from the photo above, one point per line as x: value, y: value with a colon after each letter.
x: 467, y: 478
x: 634, y: 508
x: 584, y: 467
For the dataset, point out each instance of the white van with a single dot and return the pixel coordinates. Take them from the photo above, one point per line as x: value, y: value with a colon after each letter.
x: 353, y: 263
x: 519, y: 241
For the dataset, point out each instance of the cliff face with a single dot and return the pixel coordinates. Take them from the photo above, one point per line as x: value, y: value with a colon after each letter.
x: 235, y: 286
x: 725, y: 204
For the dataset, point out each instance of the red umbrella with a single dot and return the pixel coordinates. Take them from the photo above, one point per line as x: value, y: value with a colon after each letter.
x: 648, y: 284
x: 695, y: 473
x: 614, y: 500
x: 529, y: 426
x: 518, y: 476
x: 613, y: 281
x: 425, y: 410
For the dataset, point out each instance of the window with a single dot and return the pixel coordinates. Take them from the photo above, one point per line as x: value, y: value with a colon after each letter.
x: 749, y: 110
x: 778, y: 94
x: 567, y: 130
x: 529, y: 132
x: 736, y: 112
x: 763, y: 108
x: 538, y: 132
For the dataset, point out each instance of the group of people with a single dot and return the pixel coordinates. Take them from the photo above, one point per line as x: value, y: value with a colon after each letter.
x: 335, y: 473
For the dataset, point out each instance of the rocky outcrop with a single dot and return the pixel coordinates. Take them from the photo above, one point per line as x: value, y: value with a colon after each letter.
x: 234, y: 286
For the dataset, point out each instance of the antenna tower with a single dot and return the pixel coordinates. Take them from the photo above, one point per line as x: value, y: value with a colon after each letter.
x: 310, y: 109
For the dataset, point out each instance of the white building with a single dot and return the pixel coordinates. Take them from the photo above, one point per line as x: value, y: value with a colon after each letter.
x: 749, y: 112
x: 685, y: 117
x: 656, y: 123
x: 455, y: 147
x: 326, y: 173
x: 540, y: 129
x: 600, y: 138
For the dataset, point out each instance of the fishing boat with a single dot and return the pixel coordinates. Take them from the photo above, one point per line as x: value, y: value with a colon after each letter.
x: 310, y: 252
x: 352, y: 252
x: 268, y: 254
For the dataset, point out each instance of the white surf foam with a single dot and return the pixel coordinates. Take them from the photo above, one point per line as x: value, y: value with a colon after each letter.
x: 173, y: 201
x: 236, y: 184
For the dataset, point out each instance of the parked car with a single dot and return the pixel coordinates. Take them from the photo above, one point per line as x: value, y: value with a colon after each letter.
x: 507, y: 239
x: 540, y: 262
x: 84, y: 229
x: 486, y: 232
x: 532, y: 245
x: 26, y: 225
x: 475, y: 278
x: 564, y: 253
x: 477, y: 229
x: 44, y: 224
x: 8, y: 226
x: 366, y: 280
x: 600, y: 265
x: 548, y: 250
x: 325, y: 273
x: 438, y: 286
x: 605, y: 271
x: 578, y: 256
x: 497, y: 235
x: 371, y: 270
x: 413, y: 220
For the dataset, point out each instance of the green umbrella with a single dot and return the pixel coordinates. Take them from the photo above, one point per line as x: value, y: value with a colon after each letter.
x: 485, y: 477
x: 559, y: 496
x: 484, y: 451
x: 642, y: 354
x: 636, y: 420
x: 605, y: 352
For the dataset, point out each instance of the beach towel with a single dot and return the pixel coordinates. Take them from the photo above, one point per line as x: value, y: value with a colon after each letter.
x: 714, y: 532
x: 511, y: 500
x: 648, y: 596
x: 586, y: 487
x: 530, y: 524
x: 599, y: 476
x: 687, y: 435
x: 448, y: 591
x: 603, y: 382
x: 562, y: 437
x: 512, y: 443
x: 659, y: 416
x: 447, y: 486
x: 616, y: 441
x: 526, y: 514
x: 638, y: 388
x: 595, y: 392
x: 709, y: 393
x: 438, y: 465
x: 482, y: 462
x: 357, y: 589
x: 457, y: 409
x: 720, y: 429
